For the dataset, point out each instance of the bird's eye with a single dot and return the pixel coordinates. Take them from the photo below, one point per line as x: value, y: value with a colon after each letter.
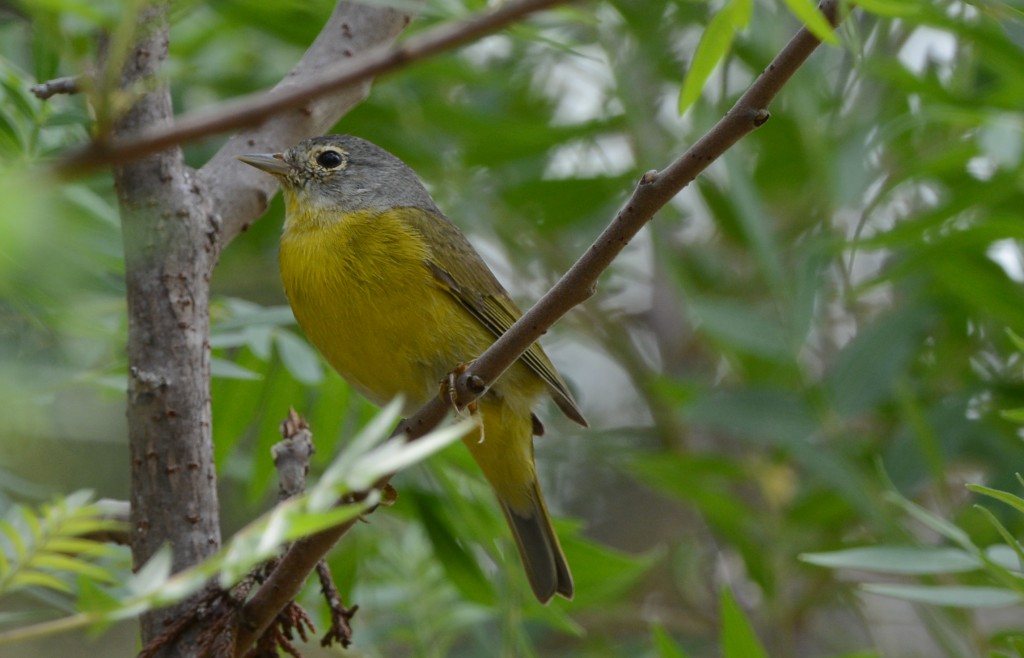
x: 329, y: 159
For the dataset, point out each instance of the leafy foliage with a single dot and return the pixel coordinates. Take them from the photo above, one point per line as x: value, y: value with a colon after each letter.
x: 831, y: 297
x: 50, y: 546
x: 40, y: 548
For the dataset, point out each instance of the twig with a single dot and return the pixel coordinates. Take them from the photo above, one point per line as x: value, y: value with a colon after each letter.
x: 253, y: 109
x: 291, y: 455
x: 65, y: 85
x: 653, y: 192
x: 341, y: 628
x: 217, y: 609
x: 239, y: 196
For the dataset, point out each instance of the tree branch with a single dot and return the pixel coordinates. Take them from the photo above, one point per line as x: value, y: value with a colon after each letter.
x: 654, y: 191
x: 254, y: 109
x: 50, y: 88
x: 240, y: 194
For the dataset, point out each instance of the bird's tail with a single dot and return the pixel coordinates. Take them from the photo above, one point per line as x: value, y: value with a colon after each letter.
x: 542, y: 556
x: 504, y: 452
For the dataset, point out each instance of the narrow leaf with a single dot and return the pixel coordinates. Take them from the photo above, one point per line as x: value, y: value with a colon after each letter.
x: 933, y: 521
x: 954, y: 596
x: 897, y: 560
x: 229, y: 370
x: 665, y: 646
x: 738, y: 637
x: 713, y: 47
x: 815, y: 21
x: 398, y: 453
x: 1015, y: 502
x: 28, y: 578
x: 299, y: 358
x: 15, y: 539
x: 1018, y: 342
x: 57, y: 562
x: 891, y: 8
x: 153, y: 574
x: 1013, y: 415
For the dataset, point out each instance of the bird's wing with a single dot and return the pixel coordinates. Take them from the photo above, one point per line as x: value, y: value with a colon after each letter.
x: 453, y: 261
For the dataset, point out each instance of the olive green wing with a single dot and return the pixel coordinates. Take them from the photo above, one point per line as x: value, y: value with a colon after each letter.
x: 453, y: 263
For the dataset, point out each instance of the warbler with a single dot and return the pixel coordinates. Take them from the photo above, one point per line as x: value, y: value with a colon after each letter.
x: 395, y: 298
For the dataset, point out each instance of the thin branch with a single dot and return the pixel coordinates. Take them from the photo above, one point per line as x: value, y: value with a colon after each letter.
x: 66, y: 85
x: 654, y: 191
x: 291, y: 455
x: 239, y: 195
x: 340, y: 629
x: 252, y: 110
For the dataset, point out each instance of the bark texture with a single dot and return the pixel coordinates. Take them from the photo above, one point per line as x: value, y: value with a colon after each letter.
x: 168, y: 238
x: 175, y: 221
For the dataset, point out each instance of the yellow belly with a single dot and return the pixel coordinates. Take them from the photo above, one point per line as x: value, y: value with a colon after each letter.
x: 363, y: 295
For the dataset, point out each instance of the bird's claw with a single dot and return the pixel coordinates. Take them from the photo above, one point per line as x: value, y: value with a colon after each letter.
x: 450, y: 394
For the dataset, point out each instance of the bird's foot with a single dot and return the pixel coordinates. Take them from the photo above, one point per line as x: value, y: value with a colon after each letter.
x: 450, y: 393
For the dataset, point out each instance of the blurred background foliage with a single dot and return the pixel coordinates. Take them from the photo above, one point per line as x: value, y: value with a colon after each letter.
x: 819, y: 319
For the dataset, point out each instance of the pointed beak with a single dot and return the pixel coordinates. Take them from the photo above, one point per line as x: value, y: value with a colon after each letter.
x: 272, y: 163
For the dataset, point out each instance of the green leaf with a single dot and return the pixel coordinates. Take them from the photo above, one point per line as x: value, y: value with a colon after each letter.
x: 247, y: 314
x: 1016, y: 502
x: 1008, y: 556
x: 933, y: 521
x: 374, y: 433
x: 867, y: 368
x: 33, y: 523
x: 811, y: 16
x: 602, y: 575
x: 259, y: 339
x: 308, y: 524
x: 93, y: 598
x: 891, y: 8
x: 14, y: 538
x: 954, y: 596
x: 153, y: 574
x: 57, y: 562
x: 713, y: 47
x: 299, y: 358
x: 1013, y: 415
x: 664, y: 645
x: 738, y: 637
x: 897, y: 560
x: 1015, y: 338
x: 398, y: 453
x: 30, y: 578
x: 230, y: 370
x: 81, y: 546
x: 741, y: 327
x: 459, y: 565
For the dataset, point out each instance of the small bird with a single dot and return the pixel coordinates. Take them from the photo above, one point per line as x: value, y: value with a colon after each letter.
x: 395, y: 298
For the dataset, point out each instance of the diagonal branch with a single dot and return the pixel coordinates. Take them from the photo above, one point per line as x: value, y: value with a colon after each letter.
x: 654, y: 191
x: 239, y: 194
x: 252, y: 110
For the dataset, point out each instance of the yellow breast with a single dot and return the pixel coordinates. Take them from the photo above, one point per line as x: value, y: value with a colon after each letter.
x: 361, y: 291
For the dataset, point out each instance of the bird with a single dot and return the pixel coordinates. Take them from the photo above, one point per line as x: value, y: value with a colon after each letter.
x: 395, y: 297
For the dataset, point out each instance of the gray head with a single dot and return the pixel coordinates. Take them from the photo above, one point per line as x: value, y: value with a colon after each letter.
x: 344, y: 173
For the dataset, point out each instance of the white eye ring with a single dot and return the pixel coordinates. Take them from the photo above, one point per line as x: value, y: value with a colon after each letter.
x: 330, y: 159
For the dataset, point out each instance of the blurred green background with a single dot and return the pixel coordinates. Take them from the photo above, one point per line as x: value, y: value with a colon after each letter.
x: 820, y: 318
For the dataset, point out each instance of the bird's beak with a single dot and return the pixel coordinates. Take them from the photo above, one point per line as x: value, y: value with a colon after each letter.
x: 272, y: 163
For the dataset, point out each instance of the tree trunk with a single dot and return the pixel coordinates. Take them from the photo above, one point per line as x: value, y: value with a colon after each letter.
x: 168, y: 245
